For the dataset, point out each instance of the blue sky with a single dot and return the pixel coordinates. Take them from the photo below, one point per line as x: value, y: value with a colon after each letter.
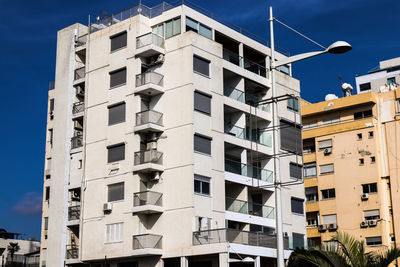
x: 29, y: 30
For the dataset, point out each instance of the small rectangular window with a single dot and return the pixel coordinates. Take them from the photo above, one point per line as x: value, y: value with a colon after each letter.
x: 329, y: 219
x: 51, y: 108
x: 202, y: 102
x: 391, y: 80
x: 114, y: 232
x: 328, y: 193
x: 372, y: 159
x: 310, y: 169
x: 326, y: 169
x: 297, y: 205
x: 361, y: 161
x: 191, y: 25
x: 311, y: 194
x: 373, y: 241
x: 365, y: 87
x: 201, y: 65
x: 371, y: 215
x: 46, y: 223
x: 290, y: 134
x: 118, y: 41
x: 116, y: 153
x: 371, y: 134
x: 117, y: 77
x: 298, y: 240
x: 116, y: 113
x: 293, y: 104
x: 201, y: 184
x: 359, y: 136
x: 202, y: 144
x: 363, y: 114
x: 295, y: 170
x: 205, y: 31
x: 115, y: 192
x: 80, y: 164
x: 324, y: 144
x: 47, y: 193
x: 370, y: 188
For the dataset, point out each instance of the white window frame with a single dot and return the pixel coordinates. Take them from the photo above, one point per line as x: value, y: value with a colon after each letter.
x: 117, y: 228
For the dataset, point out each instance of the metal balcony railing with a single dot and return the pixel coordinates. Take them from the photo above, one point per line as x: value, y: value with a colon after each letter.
x: 255, y: 67
x: 248, y: 170
x: 74, y: 212
x: 81, y: 40
x: 147, y: 241
x: 148, y: 39
x: 72, y: 252
x: 78, y: 107
x: 249, y: 208
x: 148, y: 156
x: 79, y: 73
x: 149, y: 116
x: 149, y: 77
x: 237, y: 237
x: 147, y: 198
x: 76, y: 141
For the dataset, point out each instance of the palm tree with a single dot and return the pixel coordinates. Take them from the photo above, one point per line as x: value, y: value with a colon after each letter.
x: 343, y: 251
x: 12, y: 248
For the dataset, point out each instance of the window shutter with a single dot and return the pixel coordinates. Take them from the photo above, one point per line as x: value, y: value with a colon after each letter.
x: 116, y: 153
x: 118, y: 41
x: 371, y: 213
x: 118, y: 77
x: 116, y: 114
x: 115, y: 192
x: 295, y: 170
x: 202, y: 102
x: 290, y: 137
x: 202, y: 144
x: 328, y: 168
x: 328, y: 219
x: 297, y: 205
x: 324, y: 144
x: 201, y: 65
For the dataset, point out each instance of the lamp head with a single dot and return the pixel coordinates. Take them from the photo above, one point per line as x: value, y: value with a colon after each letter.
x: 339, y: 47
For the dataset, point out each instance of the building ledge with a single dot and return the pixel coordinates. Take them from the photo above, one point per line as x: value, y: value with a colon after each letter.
x: 149, y: 127
x: 149, y: 50
x: 147, y: 252
x: 147, y: 209
x: 148, y: 167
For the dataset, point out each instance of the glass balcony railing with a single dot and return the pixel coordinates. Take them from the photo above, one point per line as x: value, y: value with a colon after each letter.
x: 255, y: 68
x: 248, y: 171
x: 74, y: 212
x: 259, y: 136
x: 244, y: 63
x: 148, y: 156
x: 77, y: 141
x: 147, y: 241
x: 149, y: 77
x: 149, y: 39
x: 234, y: 94
x: 147, y: 198
x: 79, y: 73
x: 235, y: 131
x: 149, y: 116
x: 232, y: 57
x: 249, y: 208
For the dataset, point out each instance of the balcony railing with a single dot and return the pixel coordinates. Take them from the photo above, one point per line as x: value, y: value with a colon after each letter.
x: 147, y: 241
x: 149, y: 39
x: 79, y: 73
x: 149, y: 116
x: 243, y: 97
x: 259, y: 136
x: 234, y: 94
x: 74, y: 213
x: 254, y: 102
x: 244, y: 63
x: 249, y: 208
x: 148, y: 156
x: 248, y: 170
x: 149, y: 77
x: 235, y: 131
x: 237, y: 237
x: 78, y: 107
x: 77, y: 141
x: 232, y: 57
x: 81, y: 40
x: 72, y: 252
x: 147, y: 198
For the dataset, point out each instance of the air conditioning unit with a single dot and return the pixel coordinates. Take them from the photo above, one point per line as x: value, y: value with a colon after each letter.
x: 372, y: 223
x: 332, y: 226
x: 107, y: 207
x: 364, y: 224
x: 364, y: 196
x: 322, y: 228
x: 327, y: 151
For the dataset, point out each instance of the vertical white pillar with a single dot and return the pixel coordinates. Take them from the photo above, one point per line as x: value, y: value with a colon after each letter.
x: 184, y: 262
x: 223, y: 260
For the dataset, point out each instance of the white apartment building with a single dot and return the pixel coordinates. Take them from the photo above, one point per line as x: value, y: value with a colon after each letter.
x: 159, y: 152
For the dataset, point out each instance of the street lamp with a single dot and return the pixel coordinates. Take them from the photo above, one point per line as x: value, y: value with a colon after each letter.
x: 338, y: 47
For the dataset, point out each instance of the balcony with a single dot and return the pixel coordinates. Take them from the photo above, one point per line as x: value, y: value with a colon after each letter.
x: 149, y: 44
x: 81, y: 40
x: 148, y: 161
x: 79, y: 75
x: 258, y: 136
x: 74, y: 213
x: 234, y: 236
x: 149, y: 121
x: 77, y: 141
x: 249, y: 208
x: 248, y: 171
x: 245, y: 63
x: 149, y: 83
x: 78, y: 109
x: 72, y: 252
x: 147, y: 202
x: 147, y: 245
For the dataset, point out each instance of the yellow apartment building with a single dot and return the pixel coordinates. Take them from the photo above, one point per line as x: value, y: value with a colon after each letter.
x: 351, y: 149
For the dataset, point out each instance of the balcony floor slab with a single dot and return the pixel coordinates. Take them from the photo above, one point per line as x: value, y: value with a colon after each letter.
x: 147, y: 209
x: 148, y: 128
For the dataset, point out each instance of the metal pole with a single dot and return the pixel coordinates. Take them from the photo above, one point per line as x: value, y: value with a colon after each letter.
x: 278, y: 186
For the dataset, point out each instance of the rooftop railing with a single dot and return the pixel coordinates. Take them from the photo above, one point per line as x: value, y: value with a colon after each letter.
x: 74, y: 212
x: 78, y: 107
x: 79, y: 73
x: 249, y: 208
x: 234, y: 236
x: 147, y: 198
x: 147, y: 241
x: 149, y: 116
x: 248, y: 171
x: 148, y: 39
x: 148, y: 156
x: 149, y: 77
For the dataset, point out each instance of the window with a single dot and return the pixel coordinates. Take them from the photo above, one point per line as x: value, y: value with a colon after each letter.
x: 202, y: 144
x: 48, y: 163
x: 324, y: 144
x: 359, y: 136
x: 114, y: 232
x: 48, y: 177
x: 311, y: 194
x: 297, y: 205
x: 201, y: 184
x: 310, y: 124
x: 193, y: 25
x: 363, y: 114
x: 329, y: 219
x: 46, y: 223
x: 284, y: 68
x: 116, y: 153
x: 203, y: 223
x: 293, y: 104
x: 369, y: 188
x: 296, y: 170
x: 331, y: 120
x: 116, y: 113
x: 328, y: 193
x: 51, y: 137
x: 373, y: 241
x: 398, y: 106
x: 47, y: 193
x: 118, y: 41
x: 80, y: 164
x: 298, y: 240
x: 326, y: 169
x: 365, y: 87
x: 361, y: 161
x: 370, y: 134
x: 117, y: 77
x: 172, y: 27
x: 290, y: 134
x: 201, y: 65
x: 202, y: 102
x: 371, y: 215
x: 391, y: 80
x: 310, y: 169
x: 115, y: 192
x: 51, y: 108
x: 372, y: 159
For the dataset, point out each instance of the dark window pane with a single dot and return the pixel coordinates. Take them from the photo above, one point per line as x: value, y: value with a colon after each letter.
x: 51, y: 104
x: 365, y: 188
x: 202, y: 102
x: 47, y: 196
x: 298, y: 240
x: 197, y: 186
x: 373, y: 188
x: 296, y: 171
x: 332, y: 193
x: 365, y: 87
x: 297, y: 205
x: 116, y: 113
x: 290, y: 137
x: 205, y: 188
x: 118, y: 41
x: 202, y: 144
x: 115, y: 192
x: 118, y: 77
x: 116, y: 153
x: 201, y: 65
